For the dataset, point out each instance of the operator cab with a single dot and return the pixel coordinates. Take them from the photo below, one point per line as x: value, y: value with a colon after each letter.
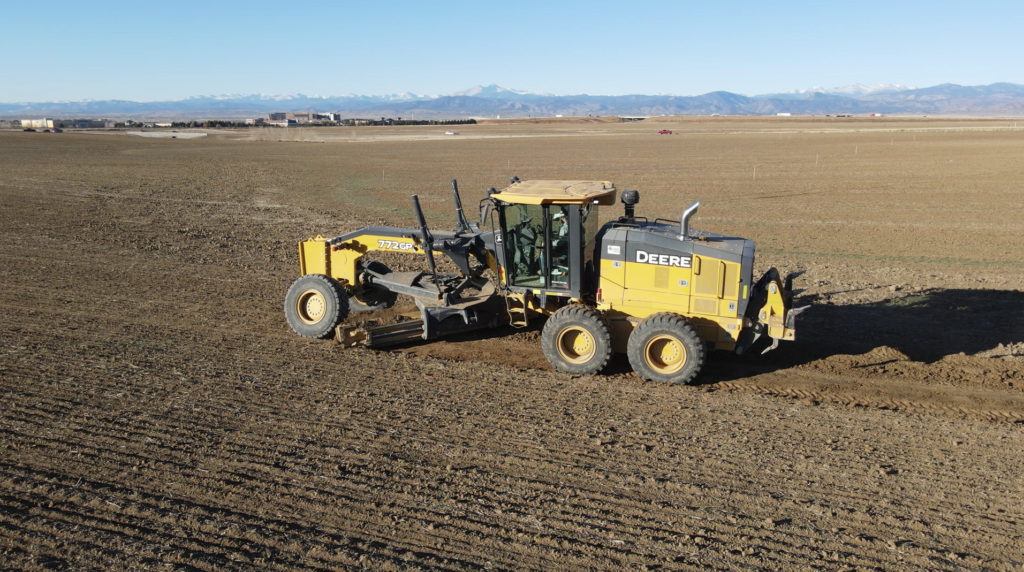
x: 547, y: 233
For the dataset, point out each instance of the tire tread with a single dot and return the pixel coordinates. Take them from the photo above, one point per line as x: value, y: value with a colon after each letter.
x: 331, y: 289
x: 676, y: 325
x: 577, y: 313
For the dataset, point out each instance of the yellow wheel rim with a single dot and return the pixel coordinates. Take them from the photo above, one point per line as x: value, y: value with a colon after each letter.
x: 311, y: 306
x: 665, y: 354
x: 576, y: 345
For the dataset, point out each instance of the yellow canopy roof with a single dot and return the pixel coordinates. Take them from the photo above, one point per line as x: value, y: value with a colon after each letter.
x: 558, y: 192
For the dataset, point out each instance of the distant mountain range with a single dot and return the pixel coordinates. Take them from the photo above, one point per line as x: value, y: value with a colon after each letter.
x: 998, y: 99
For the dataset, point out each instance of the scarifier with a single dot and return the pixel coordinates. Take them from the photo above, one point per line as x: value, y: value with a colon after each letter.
x: 658, y: 291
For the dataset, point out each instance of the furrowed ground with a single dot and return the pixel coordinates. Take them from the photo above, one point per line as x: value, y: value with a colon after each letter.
x: 159, y: 414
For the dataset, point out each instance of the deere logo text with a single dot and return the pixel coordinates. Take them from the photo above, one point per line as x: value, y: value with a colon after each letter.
x: 663, y: 259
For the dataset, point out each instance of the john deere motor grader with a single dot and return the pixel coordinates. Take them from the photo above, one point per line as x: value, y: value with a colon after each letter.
x: 658, y: 291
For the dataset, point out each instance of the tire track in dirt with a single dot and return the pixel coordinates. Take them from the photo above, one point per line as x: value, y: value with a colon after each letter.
x: 847, y: 401
x: 606, y: 508
x: 609, y: 509
x: 729, y: 468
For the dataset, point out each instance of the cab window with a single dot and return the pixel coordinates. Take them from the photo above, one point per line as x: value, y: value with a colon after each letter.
x: 538, y: 243
x: 559, y: 246
x: 524, y: 245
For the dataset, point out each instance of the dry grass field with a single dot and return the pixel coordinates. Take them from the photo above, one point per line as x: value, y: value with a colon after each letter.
x: 158, y: 414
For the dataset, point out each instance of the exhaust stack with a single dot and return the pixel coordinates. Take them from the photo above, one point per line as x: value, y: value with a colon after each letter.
x: 684, y: 222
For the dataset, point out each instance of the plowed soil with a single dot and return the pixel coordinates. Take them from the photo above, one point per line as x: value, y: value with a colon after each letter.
x: 158, y: 414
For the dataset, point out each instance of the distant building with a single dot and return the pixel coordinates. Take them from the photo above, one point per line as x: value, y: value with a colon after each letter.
x: 282, y: 123
x: 254, y: 121
x: 37, y: 123
x: 47, y: 123
x: 165, y: 125
x: 783, y: 114
x: 304, y: 116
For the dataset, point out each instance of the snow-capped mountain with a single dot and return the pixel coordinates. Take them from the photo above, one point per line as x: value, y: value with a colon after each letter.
x: 494, y: 91
x: 853, y: 90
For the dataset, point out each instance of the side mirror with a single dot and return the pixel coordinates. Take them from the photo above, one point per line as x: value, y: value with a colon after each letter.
x: 485, y: 209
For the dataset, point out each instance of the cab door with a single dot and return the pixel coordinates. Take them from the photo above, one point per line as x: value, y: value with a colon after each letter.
x: 523, y: 232
x: 540, y: 247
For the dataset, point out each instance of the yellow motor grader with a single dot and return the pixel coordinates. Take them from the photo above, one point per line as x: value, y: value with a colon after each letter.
x: 658, y: 291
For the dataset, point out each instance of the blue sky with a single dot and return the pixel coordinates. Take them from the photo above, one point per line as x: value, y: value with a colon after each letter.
x: 156, y: 50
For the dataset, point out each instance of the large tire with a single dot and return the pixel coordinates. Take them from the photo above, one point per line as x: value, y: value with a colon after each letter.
x: 314, y: 305
x: 577, y: 339
x: 666, y: 347
x: 372, y: 298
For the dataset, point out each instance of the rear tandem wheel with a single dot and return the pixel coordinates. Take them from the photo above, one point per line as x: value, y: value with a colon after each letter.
x: 666, y: 347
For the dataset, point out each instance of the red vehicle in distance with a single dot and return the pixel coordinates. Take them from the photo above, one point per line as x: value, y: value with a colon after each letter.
x: 664, y: 132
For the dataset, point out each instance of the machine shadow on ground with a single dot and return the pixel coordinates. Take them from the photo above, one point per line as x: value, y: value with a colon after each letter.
x: 925, y: 326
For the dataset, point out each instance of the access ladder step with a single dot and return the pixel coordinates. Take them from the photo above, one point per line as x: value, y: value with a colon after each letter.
x: 517, y: 310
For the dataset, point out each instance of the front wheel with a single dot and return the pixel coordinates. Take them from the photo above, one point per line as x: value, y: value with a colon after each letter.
x: 666, y: 347
x: 577, y: 339
x: 314, y: 305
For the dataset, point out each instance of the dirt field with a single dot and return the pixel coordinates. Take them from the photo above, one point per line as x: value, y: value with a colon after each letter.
x: 160, y: 415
